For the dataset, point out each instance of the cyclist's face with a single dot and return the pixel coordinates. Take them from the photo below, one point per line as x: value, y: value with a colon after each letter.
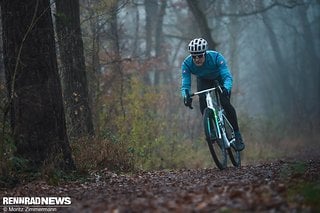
x: 198, y: 59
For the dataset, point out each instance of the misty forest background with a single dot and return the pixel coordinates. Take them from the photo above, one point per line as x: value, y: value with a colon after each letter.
x: 119, y: 66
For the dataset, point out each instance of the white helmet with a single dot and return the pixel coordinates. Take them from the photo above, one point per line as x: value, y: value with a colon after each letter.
x: 198, y: 46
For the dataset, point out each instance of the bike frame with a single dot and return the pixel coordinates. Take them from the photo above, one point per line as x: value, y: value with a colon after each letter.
x: 218, y: 114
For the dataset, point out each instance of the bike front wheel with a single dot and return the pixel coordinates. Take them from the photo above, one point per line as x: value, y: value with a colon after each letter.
x: 216, y: 145
x: 233, y: 154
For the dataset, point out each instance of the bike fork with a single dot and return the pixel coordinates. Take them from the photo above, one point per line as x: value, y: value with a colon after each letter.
x: 224, y: 134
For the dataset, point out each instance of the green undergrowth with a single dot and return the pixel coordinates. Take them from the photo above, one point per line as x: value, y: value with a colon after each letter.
x: 308, y: 191
x: 293, y: 169
x: 119, y: 157
x: 299, y: 188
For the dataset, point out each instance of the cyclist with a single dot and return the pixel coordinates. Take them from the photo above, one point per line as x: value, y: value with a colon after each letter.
x: 208, y: 66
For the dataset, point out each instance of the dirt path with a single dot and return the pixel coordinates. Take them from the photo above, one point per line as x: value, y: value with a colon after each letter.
x: 284, y: 185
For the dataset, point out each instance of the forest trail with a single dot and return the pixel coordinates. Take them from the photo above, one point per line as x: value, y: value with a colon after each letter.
x: 286, y: 185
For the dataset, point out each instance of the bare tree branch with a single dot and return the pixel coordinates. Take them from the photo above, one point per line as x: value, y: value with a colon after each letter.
x: 276, y: 3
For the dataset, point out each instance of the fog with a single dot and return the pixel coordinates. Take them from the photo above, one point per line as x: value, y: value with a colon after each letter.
x: 272, y: 48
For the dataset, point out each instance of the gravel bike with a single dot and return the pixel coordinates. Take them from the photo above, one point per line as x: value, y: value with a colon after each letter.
x: 218, y: 130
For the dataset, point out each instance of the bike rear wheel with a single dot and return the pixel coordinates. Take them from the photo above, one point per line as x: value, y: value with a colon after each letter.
x: 216, y: 145
x: 234, y: 156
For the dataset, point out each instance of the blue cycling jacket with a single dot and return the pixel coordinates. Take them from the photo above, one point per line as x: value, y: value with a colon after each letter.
x: 215, y: 68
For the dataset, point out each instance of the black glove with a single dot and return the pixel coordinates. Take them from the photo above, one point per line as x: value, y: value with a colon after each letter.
x: 187, y: 100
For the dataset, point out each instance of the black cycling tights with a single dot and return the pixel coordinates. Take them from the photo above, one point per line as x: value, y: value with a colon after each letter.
x: 231, y: 114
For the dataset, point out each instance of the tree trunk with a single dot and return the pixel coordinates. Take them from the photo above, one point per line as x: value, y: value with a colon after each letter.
x: 159, y: 41
x: 201, y: 19
x: 151, y: 8
x: 34, y: 88
x: 310, y: 76
x: 280, y: 80
x: 116, y: 68
x: 93, y: 62
x: 74, y: 78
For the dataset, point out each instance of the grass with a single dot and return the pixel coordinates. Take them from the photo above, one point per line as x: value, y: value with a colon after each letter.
x: 306, y: 192
x: 301, y: 190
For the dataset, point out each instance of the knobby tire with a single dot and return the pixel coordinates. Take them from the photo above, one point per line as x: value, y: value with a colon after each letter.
x: 234, y: 157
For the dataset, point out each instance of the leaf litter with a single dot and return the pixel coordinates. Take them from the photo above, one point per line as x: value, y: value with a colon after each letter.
x: 266, y: 186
